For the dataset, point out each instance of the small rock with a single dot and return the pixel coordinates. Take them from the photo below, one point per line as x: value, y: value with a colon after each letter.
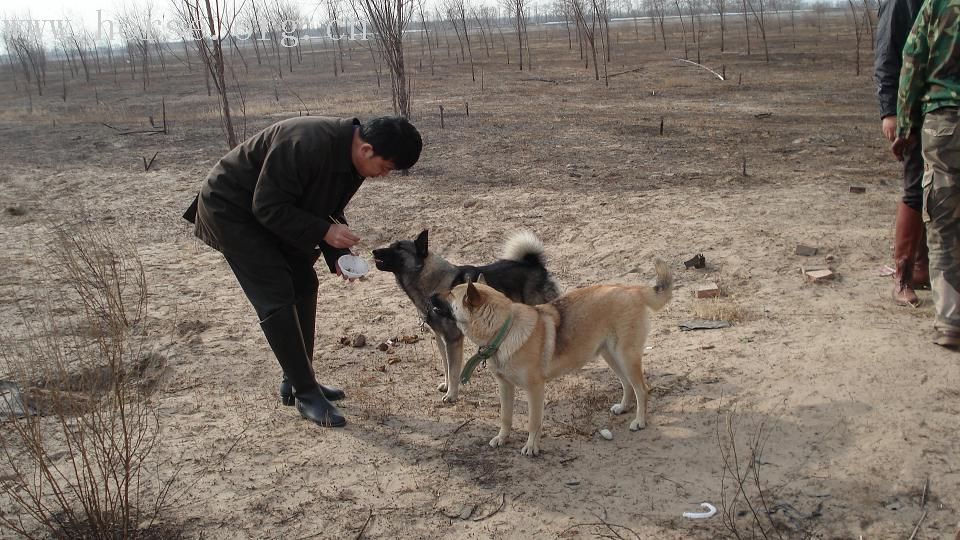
x: 858, y: 189
x: 819, y: 276
x: 573, y: 483
x: 358, y: 341
x: 392, y: 360
x: 383, y: 346
x: 710, y: 290
x: 805, y: 251
x: 575, y: 174
x: 467, y: 511
x: 16, y: 210
x: 605, y: 433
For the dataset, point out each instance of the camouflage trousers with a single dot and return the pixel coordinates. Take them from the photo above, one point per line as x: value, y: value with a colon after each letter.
x: 941, y: 212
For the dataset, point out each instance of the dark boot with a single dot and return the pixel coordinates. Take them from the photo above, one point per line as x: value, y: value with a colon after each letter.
x: 307, y: 315
x: 906, y: 238
x: 282, y: 330
x: 921, y: 262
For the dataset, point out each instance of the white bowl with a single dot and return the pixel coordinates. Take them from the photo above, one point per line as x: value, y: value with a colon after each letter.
x: 352, y: 266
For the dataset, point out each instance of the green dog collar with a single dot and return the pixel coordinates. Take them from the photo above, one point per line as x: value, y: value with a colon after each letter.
x: 485, y: 352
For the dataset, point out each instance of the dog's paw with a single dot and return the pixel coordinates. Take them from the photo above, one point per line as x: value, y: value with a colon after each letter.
x: 450, y: 398
x: 498, y: 441
x: 532, y: 448
x: 442, y: 387
x: 619, y: 408
x: 638, y: 424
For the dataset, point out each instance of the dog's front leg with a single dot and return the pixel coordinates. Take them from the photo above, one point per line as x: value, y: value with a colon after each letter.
x: 442, y: 346
x: 507, y: 393
x: 535, y: 396
x: 454, y: 357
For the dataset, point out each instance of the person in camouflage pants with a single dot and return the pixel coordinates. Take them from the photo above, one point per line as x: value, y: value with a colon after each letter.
x: 929, y: 94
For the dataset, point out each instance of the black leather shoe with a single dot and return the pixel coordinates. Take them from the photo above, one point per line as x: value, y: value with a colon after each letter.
x: 314, y: 406
x: 329, y: 392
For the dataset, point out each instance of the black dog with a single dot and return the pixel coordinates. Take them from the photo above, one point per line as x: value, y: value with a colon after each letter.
x: 521, y: 275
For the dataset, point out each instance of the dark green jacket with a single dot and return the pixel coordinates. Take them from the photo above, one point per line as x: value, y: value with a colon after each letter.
x: 930, y: 77
x: 281, y: 189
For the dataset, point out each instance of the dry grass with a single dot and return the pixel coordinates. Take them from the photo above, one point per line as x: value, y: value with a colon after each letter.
x: 720, y: 309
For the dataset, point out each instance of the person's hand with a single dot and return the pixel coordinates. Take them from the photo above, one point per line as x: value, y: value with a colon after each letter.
x: 340, y: 236
x: 889, y: 127
x: 339, y: 273
x: 901, y: 145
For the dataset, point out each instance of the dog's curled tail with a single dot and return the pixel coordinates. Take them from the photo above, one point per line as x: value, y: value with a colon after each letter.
x: 663, y: 290
x: 524, y: 246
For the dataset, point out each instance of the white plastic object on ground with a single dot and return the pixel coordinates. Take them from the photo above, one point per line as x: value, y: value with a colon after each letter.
x: 711, y: 510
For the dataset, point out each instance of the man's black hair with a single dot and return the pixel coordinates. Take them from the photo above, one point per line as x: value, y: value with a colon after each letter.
x: 393, y: 138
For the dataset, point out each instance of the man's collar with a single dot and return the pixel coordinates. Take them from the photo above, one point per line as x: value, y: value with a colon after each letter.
x: 343, y: 146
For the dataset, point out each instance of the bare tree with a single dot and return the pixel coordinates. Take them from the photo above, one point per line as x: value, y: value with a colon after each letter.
x: 135, y: 27
x: 868, y: 14
x: 721, y: 6
x: 857, y: 32
x: 659, y: 8
x: 26, y: 43
x: 426, y: 31
x: 683, y: 29
x: 475, y: 12
x: 251, y: 19
x: 746, y: 24
x: 758, y: 17
x: 389, y: 19
x: 334, y: 11
x: 208, y: 18
x: 79, y: 41
x: 601, y: 10
x: 286, y: 21
x: 587, y: 23
x: 518, y: 9
x: 457, y: 11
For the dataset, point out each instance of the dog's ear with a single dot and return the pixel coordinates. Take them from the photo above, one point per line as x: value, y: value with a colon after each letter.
x: 481, y: 279
x: 421, y: 244
x: 473, y: 297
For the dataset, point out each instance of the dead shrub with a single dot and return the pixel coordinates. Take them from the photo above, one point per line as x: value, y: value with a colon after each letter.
x: 81, y: 456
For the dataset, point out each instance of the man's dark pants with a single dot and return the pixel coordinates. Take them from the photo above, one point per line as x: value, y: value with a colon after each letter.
x: 275, y: 281
x: 282, y: 287
x: 913, y: 178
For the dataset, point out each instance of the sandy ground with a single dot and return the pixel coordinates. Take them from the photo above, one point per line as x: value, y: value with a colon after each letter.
x: 854, y: 407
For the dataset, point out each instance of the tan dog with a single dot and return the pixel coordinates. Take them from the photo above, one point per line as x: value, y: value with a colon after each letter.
x: 541, y: 343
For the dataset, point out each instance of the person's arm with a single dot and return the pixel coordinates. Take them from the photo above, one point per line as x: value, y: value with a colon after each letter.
x: 893, y: 26
x: 913, y: 74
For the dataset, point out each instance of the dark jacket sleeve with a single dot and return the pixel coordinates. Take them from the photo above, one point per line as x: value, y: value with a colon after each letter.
x: 330, y: 253
x: 896, y: 20
x: 279, y: 187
